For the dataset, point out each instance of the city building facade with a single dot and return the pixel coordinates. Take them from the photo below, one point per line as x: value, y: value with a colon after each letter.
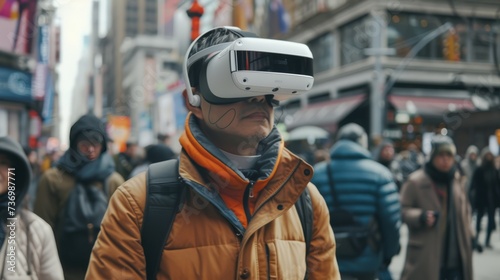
x: 401, y: 69
x: 29, y: 54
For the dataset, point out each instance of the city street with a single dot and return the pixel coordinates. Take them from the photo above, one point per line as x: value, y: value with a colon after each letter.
x: 486, y: 264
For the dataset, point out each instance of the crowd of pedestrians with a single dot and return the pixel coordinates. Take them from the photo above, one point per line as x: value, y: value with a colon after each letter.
x: 34, y: 195
x: 239, y: 203
x: 443, y: 202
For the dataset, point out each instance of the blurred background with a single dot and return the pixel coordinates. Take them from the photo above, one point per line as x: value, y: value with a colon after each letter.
x: 404, y: 70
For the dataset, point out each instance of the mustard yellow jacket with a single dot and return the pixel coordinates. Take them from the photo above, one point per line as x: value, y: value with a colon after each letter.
x: 207, y: 240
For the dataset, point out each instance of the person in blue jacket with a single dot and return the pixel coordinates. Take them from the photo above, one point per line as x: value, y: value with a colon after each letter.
x: 366, y: 189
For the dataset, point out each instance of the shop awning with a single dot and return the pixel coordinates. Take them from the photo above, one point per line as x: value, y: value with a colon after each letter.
x: 430, y: 106
x: 325, y: 113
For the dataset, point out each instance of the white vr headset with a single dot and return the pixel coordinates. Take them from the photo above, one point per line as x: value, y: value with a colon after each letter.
x: 248, y: 67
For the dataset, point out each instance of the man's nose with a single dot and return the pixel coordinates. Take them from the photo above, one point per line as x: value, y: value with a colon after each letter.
x: 259, y: 99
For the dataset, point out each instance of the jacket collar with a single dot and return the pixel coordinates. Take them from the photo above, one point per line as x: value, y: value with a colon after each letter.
x: 219, y: 168
x: 346, y: 149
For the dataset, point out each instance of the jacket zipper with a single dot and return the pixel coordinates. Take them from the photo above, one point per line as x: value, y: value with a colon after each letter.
x: 248, y: 194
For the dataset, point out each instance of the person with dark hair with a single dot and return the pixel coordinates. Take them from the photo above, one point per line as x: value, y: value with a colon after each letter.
x: 238, y: 216
x: 154, y: 153
x: 366, y: 189
x: 28, y: 246
x: 437, y: 213
x: 485, y: 184
x: 85, y: 162
x: 384, y: 154
x: 409, y: 160
x: 125, y: 161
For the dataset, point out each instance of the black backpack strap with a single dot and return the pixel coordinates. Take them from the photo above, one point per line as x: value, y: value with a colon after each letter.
x: 305, y: 211
x: 163, y: 199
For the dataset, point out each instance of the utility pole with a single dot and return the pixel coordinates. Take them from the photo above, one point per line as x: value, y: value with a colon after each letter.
x: 377, y: 96
x: 379, y: 88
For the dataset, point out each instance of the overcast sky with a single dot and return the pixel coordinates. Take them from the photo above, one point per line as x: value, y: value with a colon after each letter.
x: 75, y: 19
x: 74, y: 16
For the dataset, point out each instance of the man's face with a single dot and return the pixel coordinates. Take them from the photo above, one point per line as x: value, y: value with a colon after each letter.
x: 238, y: 127
x: 5, y: 164
x: 131, y: 150
x: 387, y: 152
x: 90, y: 149
x: 488, y: 157
x: 443, y: 161
x: 473, y: 156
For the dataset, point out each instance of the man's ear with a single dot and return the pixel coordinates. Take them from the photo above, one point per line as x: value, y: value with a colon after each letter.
x: 196, y: 110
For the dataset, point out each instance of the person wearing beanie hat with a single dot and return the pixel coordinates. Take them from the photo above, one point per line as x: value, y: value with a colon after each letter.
x: 85, y: 162
x: 35, y: 254
x: 353, y: 132
x: 486, y: 188
x: 437, y: 212
x: 442, y: 144
x: 365, y: 189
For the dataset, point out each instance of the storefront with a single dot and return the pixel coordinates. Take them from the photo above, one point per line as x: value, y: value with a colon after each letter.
x: 15, y: 97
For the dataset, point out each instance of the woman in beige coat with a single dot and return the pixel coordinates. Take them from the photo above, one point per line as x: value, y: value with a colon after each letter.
x: 437, y: 212
x: 28, y: 247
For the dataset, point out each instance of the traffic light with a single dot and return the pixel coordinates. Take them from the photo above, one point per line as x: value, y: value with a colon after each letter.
x: 451, y: 46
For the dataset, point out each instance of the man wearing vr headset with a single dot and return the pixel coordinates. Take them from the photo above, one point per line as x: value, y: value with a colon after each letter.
x: 238, y: 219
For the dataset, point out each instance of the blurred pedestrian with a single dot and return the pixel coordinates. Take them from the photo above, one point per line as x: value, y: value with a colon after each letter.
x: 302, y: 149
x: 164, y: 139
x: 238, y: 178
x: 409, y: 161
x: 48, y: 160
x: 32, y: 156
x: 125, y: 161
x: 366, y: 189
x: 437, y: 213
x: 85, y: 162
x: 154, y: 153
x: 321, y: 154
x: 384, y: 154
x: 28, y: 246
x: 469, y: 165
x: 486, y: 186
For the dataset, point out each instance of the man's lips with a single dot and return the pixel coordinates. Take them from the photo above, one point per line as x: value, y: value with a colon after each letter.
x: 257, y: 115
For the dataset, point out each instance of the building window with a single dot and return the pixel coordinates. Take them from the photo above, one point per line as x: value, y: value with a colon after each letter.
x: 131, y: 30
x: 468, y: 40
x: 406, y: 30
x: 151, y: 28
x: 355, y: 38
x: 322, y: 50
x: 482, y: 37
x: 11, y: 123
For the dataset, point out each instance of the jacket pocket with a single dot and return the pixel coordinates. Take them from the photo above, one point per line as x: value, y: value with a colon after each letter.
x: 286, y: 259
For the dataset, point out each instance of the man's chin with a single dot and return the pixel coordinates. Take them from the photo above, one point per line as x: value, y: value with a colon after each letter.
x: 92, y: 158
